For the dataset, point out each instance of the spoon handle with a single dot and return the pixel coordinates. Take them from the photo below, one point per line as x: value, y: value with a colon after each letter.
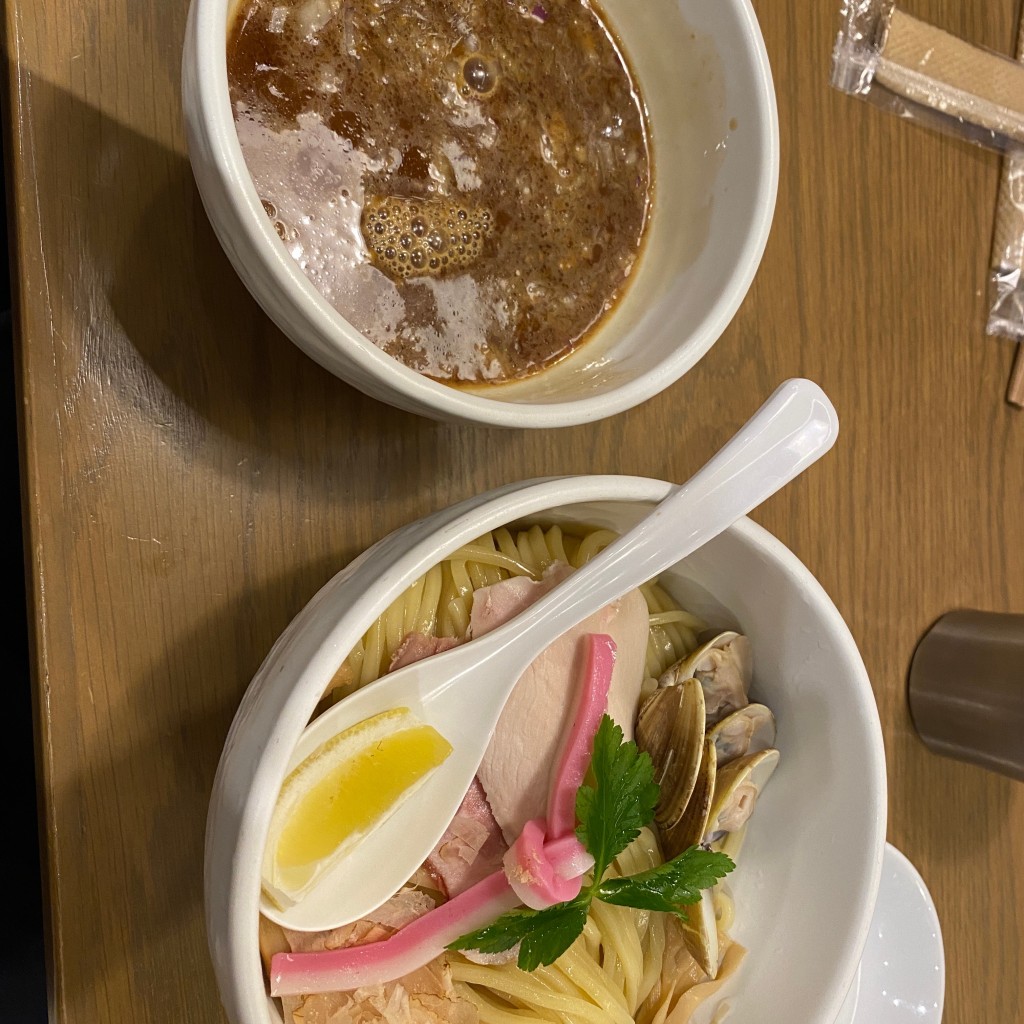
x: 794, y: 428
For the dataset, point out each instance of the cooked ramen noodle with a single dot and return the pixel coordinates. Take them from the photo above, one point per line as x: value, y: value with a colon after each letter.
x: 439, y: 603
x: 628, y: 965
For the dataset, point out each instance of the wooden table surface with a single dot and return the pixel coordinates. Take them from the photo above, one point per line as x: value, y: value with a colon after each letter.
x: 191, y: 479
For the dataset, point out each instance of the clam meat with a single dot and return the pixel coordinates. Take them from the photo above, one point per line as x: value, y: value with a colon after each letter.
x: 723, y: 667
x: 747, y: 731
x: 737, y: 789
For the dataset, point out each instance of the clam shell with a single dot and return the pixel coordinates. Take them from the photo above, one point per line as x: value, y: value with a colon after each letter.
x: 693, y: 825
x: 731, y: 844
x: 700, y: 933
x: 737, y: 788
x: 670, y: 727
x: 724, y: 668
x: 747, y: 731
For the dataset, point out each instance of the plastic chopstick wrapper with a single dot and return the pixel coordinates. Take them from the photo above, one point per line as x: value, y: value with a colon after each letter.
x: 925, y: 74
x: 1006, y: 284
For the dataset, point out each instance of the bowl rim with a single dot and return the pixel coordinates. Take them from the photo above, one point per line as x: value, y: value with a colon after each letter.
x: 253, y: 766
x: 207, y: 83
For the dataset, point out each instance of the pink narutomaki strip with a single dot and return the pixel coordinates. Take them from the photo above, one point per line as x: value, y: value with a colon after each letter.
x: 569, y: 856
x: 538, y: 878
x: 579, y: 744
x: 339, y: 970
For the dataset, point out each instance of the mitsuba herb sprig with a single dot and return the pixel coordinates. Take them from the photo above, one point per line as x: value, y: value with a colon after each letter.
x: 611, y: 814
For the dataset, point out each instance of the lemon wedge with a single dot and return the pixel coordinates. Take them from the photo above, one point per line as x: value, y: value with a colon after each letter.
x: 340, y: 792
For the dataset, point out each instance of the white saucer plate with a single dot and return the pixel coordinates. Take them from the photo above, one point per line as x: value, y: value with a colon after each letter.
x: 902, y: 975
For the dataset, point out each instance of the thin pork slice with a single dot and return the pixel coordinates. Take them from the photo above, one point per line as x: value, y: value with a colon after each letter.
x: 417, y: 646
x: 403, y: 908
x: 471, y: 848
x: 516, y: 769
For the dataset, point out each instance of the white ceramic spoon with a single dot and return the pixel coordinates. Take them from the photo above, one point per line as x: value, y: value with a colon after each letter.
x: 462, y: 691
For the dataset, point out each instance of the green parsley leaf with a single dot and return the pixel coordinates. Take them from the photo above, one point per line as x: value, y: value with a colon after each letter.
x: 612, y: 813
x: 669, y: 886
x: 543, y: 935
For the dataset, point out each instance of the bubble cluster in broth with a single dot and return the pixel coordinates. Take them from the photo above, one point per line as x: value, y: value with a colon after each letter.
x: 466, y: 181
x: 423, y: 237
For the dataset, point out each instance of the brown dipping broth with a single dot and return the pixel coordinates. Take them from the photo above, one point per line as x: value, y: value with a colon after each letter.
x: 466, y: 181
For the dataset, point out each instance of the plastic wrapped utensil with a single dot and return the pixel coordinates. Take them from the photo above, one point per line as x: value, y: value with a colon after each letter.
x: 925, y: 74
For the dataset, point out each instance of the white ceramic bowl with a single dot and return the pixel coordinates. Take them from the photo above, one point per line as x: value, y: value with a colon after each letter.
x: 806, y: 885
x: 703, y: 71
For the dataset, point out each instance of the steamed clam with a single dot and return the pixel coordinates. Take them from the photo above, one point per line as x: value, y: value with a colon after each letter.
x: 700, y: 933
x: 712, y: 754
x: 670, y: 727
x: 749, y: 730
x: 738, y: 787
x: 723, y: 666
x: 691, y: 825
x: 731, y: 844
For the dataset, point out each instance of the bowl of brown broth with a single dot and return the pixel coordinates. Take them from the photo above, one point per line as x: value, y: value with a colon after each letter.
x: 518, y: 214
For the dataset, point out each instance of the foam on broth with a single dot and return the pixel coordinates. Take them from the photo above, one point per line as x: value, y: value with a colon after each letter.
x: 466, y: 181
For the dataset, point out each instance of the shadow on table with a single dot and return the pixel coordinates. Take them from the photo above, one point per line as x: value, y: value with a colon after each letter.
x: 195, y: 354
x: 154, y: 847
